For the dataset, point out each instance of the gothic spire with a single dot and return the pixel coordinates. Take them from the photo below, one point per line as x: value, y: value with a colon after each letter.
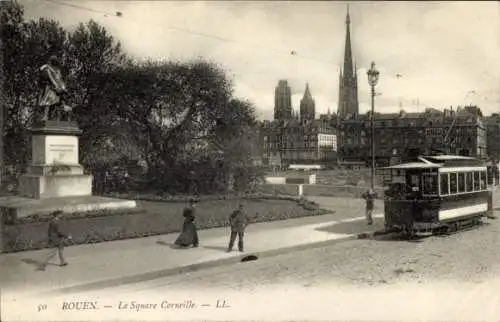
x: 348, y: 67
x: 307, y: 93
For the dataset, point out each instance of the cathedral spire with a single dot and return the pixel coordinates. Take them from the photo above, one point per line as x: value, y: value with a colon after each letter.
x: 348, y: 67
x: 307, y: 93
x: 307, y: 105
x: 348, y: 82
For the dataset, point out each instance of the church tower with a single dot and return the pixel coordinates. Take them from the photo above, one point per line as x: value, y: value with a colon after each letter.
x: 307, y: 106
x: 283, y: 101
x: 348, y: 80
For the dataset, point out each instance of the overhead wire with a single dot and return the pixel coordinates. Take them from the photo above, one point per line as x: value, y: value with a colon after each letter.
x: 291, y: 52
x: 78, y: 6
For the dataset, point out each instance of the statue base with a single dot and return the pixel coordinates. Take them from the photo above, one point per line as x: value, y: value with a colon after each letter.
x: 55, y: 180
x: 50, y: 186
x: 19, y: 207
x: 55, y: 171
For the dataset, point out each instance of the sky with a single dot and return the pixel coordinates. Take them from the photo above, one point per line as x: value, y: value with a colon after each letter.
x: 447, y: 53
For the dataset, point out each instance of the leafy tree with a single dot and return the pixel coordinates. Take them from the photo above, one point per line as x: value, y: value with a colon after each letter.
x: 236, y: 140
x: 26, y: 46
x: 169, y: 108
x: 91, y: 56
x: 474, y: 110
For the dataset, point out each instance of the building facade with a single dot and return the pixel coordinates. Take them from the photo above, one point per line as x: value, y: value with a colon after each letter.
x: 282, y: 101
x: 299, y: 142
x: 400, y: 137
x: 493, y: 136
x: 288, y: 139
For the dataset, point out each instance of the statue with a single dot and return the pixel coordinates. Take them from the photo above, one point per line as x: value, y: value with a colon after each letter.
x: 53, y: 96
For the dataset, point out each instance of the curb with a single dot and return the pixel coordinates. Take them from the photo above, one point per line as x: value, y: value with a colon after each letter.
x: 148, y: 276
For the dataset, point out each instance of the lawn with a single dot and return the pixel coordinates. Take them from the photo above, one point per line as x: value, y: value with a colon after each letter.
x: 156, y: 217
x: 215, y: 213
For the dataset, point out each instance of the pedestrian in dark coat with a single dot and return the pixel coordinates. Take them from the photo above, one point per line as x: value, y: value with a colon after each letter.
x: 370, y: 197
x: 56, y: 240
x: 189, y: 234
x: 238, y: 221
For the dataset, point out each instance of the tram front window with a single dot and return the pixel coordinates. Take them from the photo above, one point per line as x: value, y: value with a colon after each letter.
x: 430, y: 184
x: 483, y: 180
x: 453, y: 183
x: 461, y: 182
x: 477, y: 181
x: 444, y: 184
x: 469, y: 182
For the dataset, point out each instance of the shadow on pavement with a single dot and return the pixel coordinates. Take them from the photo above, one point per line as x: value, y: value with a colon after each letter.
x: 221, y: 248
x: 36, y: 263
x: 374, y: 232
x: 398, y: 237
x: 353, y: 227
x: 171, y: 245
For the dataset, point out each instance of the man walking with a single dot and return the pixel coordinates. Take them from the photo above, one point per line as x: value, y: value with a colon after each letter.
x: 238, y: 221
x: 369, y: 196
x: 56, y: 240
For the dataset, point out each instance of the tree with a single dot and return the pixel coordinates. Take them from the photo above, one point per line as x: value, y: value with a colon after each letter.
x: 474, y: 110
x: 26, y: 46
x: 169, y: 108
x: 235, y: 138
x: 90, y: 58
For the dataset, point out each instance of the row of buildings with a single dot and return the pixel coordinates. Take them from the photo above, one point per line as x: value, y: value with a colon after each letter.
x: 345, y: 137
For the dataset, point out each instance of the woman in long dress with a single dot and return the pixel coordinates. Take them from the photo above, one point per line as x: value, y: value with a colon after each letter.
x: 189, y: 234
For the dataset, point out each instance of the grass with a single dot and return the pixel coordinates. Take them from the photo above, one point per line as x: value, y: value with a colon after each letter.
x: 158, y: 218
x: 215, y: 213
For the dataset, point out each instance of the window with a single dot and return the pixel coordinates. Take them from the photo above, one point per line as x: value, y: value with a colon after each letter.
x: 469, y: 181
x: 453, y: 183
x: 483, y: 180
x: 461, y: 182
x: 444, y: 190
x: 477, y: 181
x: 430, y: 185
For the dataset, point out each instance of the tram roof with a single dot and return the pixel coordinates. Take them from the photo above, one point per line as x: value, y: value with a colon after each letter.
x: 439, y: 161
x: 414, y: 165
x: 448, y: 157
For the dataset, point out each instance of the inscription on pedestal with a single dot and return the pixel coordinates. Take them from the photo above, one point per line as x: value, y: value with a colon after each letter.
x: 59, y: 151
x: 52, y: 149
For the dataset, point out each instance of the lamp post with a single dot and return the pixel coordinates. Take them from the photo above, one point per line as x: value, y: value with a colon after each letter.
x: 373, y: 75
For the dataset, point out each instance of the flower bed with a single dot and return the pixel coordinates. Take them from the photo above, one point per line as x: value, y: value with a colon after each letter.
x: 184, y: 198
x: 153, y: 218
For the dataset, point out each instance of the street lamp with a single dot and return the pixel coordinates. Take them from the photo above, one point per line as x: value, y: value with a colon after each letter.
x: 373, y: 74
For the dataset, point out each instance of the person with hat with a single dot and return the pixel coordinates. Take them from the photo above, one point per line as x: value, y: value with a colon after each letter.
x: 238, y: 221
x: 370, y: 195
x: 56, y: 240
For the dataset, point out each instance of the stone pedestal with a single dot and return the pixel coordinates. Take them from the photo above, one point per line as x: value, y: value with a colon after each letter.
x: 55, y: 180
x: 54, y: 170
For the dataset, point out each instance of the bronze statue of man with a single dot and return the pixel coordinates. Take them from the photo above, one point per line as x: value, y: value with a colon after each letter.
x: 53, y: 95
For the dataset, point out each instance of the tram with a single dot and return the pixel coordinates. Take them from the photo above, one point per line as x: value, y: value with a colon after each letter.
x: 436, y: 194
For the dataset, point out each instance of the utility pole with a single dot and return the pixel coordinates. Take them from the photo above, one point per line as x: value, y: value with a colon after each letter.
x: 2, y: 113
x: 373, y: 75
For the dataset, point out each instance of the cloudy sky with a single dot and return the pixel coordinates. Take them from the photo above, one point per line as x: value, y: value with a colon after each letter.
x: 442, y: 50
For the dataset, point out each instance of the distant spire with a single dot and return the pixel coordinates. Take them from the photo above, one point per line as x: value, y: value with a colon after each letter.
x: 307, y: 93
x: 348, y: 66
x: 347, y: 18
